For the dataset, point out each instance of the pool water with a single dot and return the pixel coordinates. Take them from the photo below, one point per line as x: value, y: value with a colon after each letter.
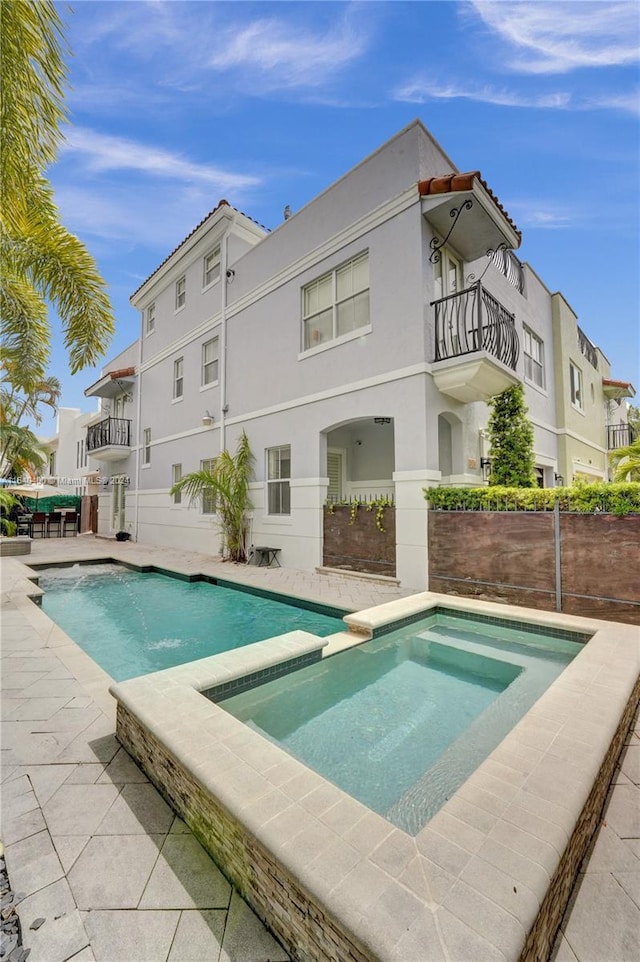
x: 133, y: 623
x: 400, y: 722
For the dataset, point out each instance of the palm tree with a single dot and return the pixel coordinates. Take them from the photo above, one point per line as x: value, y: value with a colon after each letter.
x: 626, y: 462
x: 21, y: 397
x: 7, y: 502
x: 228, y: 484
x: 41, y: 261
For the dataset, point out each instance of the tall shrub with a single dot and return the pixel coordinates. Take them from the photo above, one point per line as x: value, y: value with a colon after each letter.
x: 228, y: 483
x: 511, y: 440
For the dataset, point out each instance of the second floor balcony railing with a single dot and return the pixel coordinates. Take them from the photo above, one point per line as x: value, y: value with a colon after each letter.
x: 620, y: 436
x: 473, y: 320
x: 114, y: 432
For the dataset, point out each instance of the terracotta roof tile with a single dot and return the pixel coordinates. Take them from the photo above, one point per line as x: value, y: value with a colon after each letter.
x: 454, y: 182
x: 122, y: 372
x: 609, y: 382
x: 221, y: 203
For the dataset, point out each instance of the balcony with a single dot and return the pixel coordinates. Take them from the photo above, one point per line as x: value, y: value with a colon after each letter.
x: 620, y: 436
x: 110, y: 439
x: 477, y: 346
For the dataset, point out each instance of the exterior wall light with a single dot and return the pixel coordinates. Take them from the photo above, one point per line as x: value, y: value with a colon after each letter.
x: 207, y: 420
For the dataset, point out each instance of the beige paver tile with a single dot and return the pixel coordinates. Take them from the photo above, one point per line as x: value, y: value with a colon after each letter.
x: 69, y: 848
x: 47, y: 779
x: 121, y: 770
x: 63, y: 934
x: 185, y: 877
x: 112, y: 871
x: 622, y: 812
x: 15, y: 828
x: 118, y: 936
x: 246, y: 939
x: 33, y: 863
x: 603, y: 923
x: 198, y: 937
x: 138, y: 809
x: 463, y: 943
x: 79, y: 809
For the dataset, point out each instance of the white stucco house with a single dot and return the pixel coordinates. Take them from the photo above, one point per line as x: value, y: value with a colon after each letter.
x: 356, y: 345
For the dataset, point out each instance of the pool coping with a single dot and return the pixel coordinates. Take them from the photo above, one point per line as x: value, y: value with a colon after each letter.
x: 485, y: 878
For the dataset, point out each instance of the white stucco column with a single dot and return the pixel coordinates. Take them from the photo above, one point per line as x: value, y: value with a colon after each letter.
x: 411, y: 527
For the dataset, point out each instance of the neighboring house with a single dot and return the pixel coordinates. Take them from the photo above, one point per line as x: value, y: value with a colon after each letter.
x: 356, y: 345
x: 591, y: 413
x: 68, y: 465
x: 112, y: 441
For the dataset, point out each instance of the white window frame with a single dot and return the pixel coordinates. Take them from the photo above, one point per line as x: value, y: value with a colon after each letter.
x: 448, y: 274
x: 212, y: 361
x: 334, y: 307
x: 176, y: 475
x: 576, y: 386
x: 178, y: 379
x: 150, y: 325
x: 208, y: 505
x: 278, y: 484
x: 211, y: 267
x: 181, y: 292
x: 533, y: 350
x: 146, y: 446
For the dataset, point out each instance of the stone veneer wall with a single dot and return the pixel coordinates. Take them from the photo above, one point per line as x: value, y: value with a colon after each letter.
x: 14, y: 546
x: 301, y: 925
x: 541, y: 938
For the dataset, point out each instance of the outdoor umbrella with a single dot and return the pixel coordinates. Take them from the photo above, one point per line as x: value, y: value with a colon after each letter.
x: 44, y: 497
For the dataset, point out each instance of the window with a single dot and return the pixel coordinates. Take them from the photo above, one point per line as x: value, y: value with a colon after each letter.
x: 176, y: 475
x: 533, y: 358
x: 208, y: 497
x: 210, y: 361
x: 146, y: 446
x: 336, y: 303
x: 278, y: 478
x: 151, y: 318
x: 211, y: 267
x: 575, y: 377
x: 447, y: 275
x: 181, y: 293
x: 178, y: 379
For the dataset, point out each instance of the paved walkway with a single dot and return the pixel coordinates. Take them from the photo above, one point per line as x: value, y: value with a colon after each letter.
x: 95, y: 851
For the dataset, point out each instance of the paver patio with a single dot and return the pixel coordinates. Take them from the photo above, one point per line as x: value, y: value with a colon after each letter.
x: 94, y: 850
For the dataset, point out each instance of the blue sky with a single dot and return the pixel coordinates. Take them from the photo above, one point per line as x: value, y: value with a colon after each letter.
x: 174, y: 105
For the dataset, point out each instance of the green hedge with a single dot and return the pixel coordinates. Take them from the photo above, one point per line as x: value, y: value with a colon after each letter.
x: 620, y: 499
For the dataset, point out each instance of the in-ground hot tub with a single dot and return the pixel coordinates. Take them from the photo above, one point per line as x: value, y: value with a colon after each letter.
x: 487, y: 876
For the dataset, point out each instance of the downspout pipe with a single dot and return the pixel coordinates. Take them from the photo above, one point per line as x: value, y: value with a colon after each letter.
x: 227, y: 276
x: 136, y: 512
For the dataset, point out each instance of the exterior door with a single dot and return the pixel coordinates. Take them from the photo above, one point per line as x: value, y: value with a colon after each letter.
x: 118, y: 501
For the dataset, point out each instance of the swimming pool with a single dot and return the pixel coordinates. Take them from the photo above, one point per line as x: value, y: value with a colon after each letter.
x: 400, y: 722
x: 132, y: 623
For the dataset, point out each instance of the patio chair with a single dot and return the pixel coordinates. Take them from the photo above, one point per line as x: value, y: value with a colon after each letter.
x: 70, y: 523
x: 24, y: 524
x: 54, y: 522
x: 39, y: 523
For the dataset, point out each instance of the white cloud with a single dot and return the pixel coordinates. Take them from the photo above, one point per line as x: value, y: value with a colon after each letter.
x: 103, y: 152
x: 556, y: 37
x: 286, y: 55
x: 545, y: 215
x: 420, y: 90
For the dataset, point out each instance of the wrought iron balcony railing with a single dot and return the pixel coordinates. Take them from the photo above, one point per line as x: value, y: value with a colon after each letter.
x: 473, y: 320
x: 509, y: 265
x: 587, y: 349
x: 620, y: 436
x: 110, y: 432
